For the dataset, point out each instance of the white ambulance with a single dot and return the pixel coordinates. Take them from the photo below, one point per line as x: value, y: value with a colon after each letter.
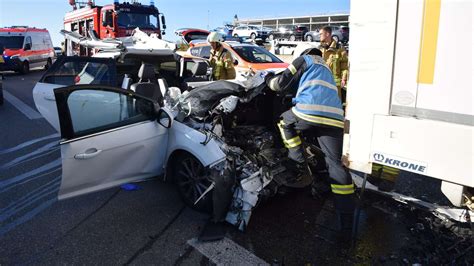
x: 24, y: 48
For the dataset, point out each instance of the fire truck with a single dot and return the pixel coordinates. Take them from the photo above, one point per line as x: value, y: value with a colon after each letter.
x: 111, y: 21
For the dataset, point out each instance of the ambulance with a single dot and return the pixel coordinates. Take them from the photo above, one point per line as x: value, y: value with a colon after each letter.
x: 23, y: 48
x: 410, y: 92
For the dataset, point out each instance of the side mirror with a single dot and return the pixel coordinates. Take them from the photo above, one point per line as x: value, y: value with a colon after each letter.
x: 27, y: 46
x: 164, y: 118
x: 163, y: 21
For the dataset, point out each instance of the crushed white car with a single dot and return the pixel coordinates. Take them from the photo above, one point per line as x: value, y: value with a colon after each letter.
x: 132, y: 112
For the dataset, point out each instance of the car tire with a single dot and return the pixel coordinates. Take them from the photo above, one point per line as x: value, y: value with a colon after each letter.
x: 309, y: 38
x: 236, y: 36
x: 253, y: 36
x: 192, y: 180
x: 25, y: 68
x: 271, y: 37
x: 336, y: 38
x: 292, y: 38
x: 48, y: 64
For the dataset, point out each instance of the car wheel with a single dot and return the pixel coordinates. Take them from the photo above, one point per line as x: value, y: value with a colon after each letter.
x: 25, y: 68
x: 271, y: 37
x: 236, y: 36
x: 48, y: 64
x: 253, y: 36
x: 192, y: 180
x: 336, y: 38
x: 292, y: 38
x: 309, y: 38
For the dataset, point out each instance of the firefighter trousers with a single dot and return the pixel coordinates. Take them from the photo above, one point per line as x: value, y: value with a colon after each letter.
x: 330, y: 140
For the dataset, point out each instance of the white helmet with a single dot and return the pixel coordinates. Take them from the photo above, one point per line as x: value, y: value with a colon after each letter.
x: 214, y: 37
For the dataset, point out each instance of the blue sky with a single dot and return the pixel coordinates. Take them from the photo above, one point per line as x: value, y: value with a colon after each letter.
x: 179, y: 14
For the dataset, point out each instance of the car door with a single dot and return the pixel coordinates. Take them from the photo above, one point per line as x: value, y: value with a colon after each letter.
x: 109, y: 136
x: 68, y: 71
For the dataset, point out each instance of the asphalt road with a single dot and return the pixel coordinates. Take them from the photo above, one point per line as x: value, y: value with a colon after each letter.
x: 152, y: 226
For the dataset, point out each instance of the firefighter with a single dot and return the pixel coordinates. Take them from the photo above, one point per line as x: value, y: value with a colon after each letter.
x: 318, y: 111
x: 220, y: 59
x: 336, y: 58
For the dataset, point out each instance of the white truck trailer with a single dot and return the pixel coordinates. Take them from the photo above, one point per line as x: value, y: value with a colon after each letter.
x: 410, y: 91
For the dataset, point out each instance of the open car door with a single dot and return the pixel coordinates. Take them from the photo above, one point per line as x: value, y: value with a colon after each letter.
x: 109, y: 136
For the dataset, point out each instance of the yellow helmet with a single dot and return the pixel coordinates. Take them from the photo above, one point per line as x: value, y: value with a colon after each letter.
x: 214, y: 37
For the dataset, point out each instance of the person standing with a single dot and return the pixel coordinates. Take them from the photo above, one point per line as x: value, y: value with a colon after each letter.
x: 335, y: 57
x: 220, y: 59
x: 317, y: 111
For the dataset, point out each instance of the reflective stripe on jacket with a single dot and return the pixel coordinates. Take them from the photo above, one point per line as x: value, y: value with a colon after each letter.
x: 317, y: 97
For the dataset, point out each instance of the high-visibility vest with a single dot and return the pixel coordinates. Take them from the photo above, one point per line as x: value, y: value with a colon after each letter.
x: 317, y: 97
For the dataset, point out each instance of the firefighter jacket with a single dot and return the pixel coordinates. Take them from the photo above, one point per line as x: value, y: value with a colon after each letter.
x: 336, y: 58
x: 222, y: 64
x: 316, y: 97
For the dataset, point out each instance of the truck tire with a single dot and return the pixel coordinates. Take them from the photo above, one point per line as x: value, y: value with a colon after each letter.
x: 48, y: 64
x: 25, y: 67
x: 192, y: 180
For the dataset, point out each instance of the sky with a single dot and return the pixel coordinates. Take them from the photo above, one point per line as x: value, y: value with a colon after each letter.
x: 179, y: 14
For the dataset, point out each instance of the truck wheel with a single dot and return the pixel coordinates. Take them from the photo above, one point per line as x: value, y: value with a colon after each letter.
x: 192, y: 180
x: 253, y: 36
x: 292, y: 38
x: 48, y: 64
x: 25, y: 68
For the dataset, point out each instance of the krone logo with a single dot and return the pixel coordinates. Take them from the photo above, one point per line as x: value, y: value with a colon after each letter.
x: 378, y: 157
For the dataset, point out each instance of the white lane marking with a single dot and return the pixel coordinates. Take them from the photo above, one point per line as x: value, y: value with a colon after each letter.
x: 21, y: 106
x: 28, y: 143
x: 226, y: 252
x: 40, y: 150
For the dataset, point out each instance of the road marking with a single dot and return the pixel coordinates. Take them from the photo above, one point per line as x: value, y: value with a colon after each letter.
x: 50, y: 146
x: 17, y: 180
x: 27, y: 216
x: 28, y: 143
x: 31, y: 201
x: 21, y: 106
x: 226, y: 252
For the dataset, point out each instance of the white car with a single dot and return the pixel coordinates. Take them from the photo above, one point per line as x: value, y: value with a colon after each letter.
x: 250, y: 31
x: 119, y: 123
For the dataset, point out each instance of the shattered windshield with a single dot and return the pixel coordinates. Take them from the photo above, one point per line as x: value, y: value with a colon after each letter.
x: 11, y: 42
x: 255, y: 54
x: 140, y: 20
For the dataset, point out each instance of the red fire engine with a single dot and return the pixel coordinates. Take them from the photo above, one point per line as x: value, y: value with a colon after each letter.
x: 113, y: 20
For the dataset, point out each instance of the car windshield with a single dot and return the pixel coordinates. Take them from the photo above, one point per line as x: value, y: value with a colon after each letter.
x: 140, y: 20
x: 255, y: 54
x: 11, y: 42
